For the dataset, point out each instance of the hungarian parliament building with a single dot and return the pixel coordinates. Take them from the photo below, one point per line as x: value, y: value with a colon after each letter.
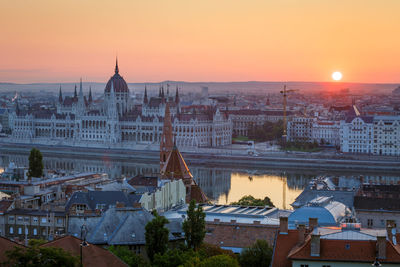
x: 119, y: 122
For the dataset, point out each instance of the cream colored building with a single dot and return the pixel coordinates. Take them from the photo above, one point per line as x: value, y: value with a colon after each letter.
x: 171, y: 193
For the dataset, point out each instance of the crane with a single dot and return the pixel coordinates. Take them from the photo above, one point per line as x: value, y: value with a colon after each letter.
x: 284, y: 92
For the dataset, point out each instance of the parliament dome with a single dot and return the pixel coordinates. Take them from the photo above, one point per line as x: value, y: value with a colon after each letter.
x: 120, y: 86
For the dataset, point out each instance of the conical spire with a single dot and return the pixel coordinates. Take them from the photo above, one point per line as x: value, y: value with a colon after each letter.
x: 162, y: 94
x: 90, y: 95
x: 60, y: 98
x: 159, y: 91
x: 145, y: 100
x: 116, y: 66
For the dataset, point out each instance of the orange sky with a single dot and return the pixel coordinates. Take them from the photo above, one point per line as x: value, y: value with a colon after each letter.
x: 207, y: 40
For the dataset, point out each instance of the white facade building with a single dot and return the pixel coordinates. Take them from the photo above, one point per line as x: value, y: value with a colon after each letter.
x: 117, y: 122
x: 379, y: 135
x: 326, y: 132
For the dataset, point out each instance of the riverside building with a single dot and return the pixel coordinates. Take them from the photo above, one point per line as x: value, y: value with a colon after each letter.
x: 118, y: 122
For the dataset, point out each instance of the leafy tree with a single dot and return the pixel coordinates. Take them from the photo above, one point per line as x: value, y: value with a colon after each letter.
x: 251, y: 201
x: 35, y: 163
x: 176, y: 257
x: 35, y: 256
x: 129, y: 257
x: 156, y: 236
x: 194, y: 226
x: 208, y: 250
x: 220, y: 261
x: 259, y: 254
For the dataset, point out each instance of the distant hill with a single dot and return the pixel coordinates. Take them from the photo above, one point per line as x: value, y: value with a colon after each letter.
x: 214, y: 87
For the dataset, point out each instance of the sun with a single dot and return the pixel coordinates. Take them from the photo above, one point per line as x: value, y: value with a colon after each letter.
x: 337, y: 75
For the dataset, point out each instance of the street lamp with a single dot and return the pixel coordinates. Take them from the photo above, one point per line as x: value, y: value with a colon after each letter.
x: 84, y: 231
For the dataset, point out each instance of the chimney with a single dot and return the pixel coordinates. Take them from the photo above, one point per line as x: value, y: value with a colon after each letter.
x: 302, y: 233
x: 381, y: 247
x: 312, y: 223
x: 315, y: 245
x: 283, y: 225
x: 120, y: 205
x: 137, y: 205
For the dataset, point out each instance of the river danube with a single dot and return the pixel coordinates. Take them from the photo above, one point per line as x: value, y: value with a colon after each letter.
x: 222, y: 185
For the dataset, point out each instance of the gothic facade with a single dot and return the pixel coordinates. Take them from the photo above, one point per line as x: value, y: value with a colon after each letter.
x: 119, y: 122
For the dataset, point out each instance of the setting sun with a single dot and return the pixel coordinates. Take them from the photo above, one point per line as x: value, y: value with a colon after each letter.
x: 337, y: 76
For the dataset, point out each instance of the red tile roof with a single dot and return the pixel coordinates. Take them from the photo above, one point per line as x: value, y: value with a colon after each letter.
x: 345, y: 251
x: 6, y: 245
x: 92, y: 255
x: 283, y: 245
x: 5, y: 205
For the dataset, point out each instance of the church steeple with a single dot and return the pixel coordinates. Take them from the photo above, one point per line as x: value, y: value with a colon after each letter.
x: 60, y: 98
x: 166, y: 144
x: 116, y: 66
x: 145, y: 100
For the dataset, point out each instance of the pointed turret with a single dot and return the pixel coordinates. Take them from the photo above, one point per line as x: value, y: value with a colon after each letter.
x: 177, y: 96
x: 60, y: 98
x: 162, y: 95
x: 90, y: 95
x: 167, y: 90
x: 112, y: 106
x: 159, y: 91
x: 166, y: 144
x: 145, y: 100
x: 81, y: 100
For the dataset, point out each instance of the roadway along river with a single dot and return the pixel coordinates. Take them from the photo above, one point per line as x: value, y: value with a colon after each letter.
x: 223, y: 183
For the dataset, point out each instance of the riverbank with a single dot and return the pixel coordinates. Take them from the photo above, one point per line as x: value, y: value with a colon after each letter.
x: 271, y: 159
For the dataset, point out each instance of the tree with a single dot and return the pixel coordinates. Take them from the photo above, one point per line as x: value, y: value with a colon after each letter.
x: 35, y: 256
x: 194, y: 226
x: 251, y: 201
x: 220, y: 261
x: 127, y: 256
x: 175, y: 257
x: 35, y: 163
x: 156, y: 236
x: 259, y: 254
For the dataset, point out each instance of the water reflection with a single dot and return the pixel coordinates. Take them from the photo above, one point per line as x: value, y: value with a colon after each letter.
x: 222, y: 185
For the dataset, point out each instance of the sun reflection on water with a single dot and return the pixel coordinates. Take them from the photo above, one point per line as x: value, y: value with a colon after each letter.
x: 260, y: 186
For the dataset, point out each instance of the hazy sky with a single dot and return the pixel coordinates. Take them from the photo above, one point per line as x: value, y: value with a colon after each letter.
x: 207, y: 40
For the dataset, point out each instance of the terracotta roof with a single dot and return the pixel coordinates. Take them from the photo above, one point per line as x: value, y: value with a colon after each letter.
x: 141, y: 180
x: 175, y: 166
x: 345, y: 250
x: 283, y: 245
x: 197, y: 194
x: 5, y: 245
x: 5, y: 205
x: 92, y: 255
